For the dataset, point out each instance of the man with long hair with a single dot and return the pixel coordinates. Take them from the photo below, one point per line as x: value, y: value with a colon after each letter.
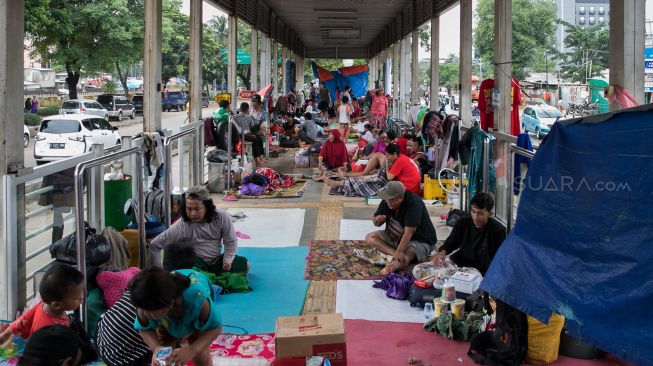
x: 207, y: 229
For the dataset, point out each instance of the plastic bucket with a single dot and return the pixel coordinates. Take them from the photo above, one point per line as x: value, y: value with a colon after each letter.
x: 116, y: 193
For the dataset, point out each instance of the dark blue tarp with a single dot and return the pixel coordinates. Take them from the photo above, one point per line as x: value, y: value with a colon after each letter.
x: 583, y: 241
x: 357, y: 82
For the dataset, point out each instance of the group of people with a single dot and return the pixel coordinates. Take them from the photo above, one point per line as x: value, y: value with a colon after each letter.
x: 31, y: 105
x: 172, y: 303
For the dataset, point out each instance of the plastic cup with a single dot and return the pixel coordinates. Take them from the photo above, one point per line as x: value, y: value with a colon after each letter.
x: 441, y: 307
x: 428, y: 311
x: 458, y: 309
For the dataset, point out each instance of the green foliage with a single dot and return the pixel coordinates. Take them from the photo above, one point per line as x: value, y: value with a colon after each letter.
x: 588, y: 47
x: 450, y: 72
x: 82, y: 36
x: 109, y: 86
x: 31, y: 119
x: 425, y: 36
x: 533, y: 27
x: 174, y: 45
x: 48, y: 111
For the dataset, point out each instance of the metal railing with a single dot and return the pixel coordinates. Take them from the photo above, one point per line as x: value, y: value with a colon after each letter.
x: 16, y: 215
x: 513, y: 150
x: 194, y: 129
x: 79, y: 209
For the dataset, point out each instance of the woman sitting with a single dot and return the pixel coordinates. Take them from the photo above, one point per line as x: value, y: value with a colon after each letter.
x: 176, y: 310
x: 333, y: 154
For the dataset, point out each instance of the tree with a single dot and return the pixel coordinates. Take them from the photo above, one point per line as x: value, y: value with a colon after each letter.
x: 174, y: 46
x: 425, y: 36
x: 450, y: 72
x: 533, y: 29
x: 588, y: 51
x: 77, y: 35
x: 214, y: 66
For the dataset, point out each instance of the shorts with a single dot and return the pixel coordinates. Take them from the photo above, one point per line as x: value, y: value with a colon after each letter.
x: 422, y: 250
x: 239, y: 265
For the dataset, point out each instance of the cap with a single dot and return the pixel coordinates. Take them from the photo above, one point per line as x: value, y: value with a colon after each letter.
x: 256, y: 98
x: 54, y: 342
x: 392, y: 190
x: 199, y: 191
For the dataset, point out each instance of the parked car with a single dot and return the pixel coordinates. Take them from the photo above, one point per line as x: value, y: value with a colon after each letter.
x: 84, y: 106
x: 63, y: 136
x: 539, y: 119
x: 137, y: 101
x: 117, y: 105
x: 173, y: 100
x: 25, y: 136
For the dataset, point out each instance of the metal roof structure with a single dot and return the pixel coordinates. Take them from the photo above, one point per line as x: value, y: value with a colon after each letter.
x: 338, y: 28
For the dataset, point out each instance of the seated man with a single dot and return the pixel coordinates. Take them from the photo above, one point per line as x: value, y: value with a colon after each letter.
x: 477, y: 237
x: 208, y: 229
x: 403, y: 169
x: 409, y: 234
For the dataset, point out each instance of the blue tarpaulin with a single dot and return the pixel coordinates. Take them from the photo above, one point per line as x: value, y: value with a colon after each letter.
x: 582, y: 246
x: 355, y: 76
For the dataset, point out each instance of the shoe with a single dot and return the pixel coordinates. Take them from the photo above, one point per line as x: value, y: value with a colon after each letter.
x: 230, y: 198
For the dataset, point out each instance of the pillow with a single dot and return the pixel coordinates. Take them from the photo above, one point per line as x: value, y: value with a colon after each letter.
x: 113, y: 284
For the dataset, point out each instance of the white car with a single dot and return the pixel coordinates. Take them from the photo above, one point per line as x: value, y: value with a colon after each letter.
x: 63, y: 136
x: 25, y: 136
x: 84, y: 106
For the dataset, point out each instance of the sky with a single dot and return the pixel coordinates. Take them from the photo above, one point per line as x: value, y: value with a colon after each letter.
x: 449, y: 24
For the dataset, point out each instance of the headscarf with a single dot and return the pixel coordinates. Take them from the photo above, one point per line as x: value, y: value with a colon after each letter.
x: 335, y: 153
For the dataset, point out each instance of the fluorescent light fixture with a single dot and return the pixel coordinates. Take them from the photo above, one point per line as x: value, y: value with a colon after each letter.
x: 340, y: 19
x: 336, y: 11
x: 330, y: 27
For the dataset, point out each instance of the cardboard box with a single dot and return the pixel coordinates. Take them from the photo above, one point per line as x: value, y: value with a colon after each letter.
x: 312, y: 335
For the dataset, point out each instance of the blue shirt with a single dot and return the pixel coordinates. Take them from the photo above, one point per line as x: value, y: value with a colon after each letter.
x: 198, y: 291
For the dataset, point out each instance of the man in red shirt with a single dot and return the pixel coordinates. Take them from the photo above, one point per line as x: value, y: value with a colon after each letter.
x: 403, y: 169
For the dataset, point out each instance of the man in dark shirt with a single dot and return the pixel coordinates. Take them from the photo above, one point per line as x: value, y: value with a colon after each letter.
x: 409, y: 232
x: 477, y: 237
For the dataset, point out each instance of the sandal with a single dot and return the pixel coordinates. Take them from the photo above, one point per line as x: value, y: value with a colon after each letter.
x: 230, y: 198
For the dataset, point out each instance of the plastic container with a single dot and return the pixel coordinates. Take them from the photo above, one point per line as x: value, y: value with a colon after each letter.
x: 441, y: 307
x: 448, y: 293
x: 428, y: 311
x: 116, y: 193
x: 458, y: 309
x: 162, y: 355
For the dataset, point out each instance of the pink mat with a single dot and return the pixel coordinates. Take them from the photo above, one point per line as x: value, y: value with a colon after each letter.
x: 393, y: 344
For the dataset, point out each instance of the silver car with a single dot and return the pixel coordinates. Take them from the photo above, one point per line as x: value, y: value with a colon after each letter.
x: 84, y: 106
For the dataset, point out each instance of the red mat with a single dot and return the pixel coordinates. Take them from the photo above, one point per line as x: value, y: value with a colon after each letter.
x: 393, y: 344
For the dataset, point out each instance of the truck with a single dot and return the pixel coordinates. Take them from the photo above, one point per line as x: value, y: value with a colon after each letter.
x: 173, y: 100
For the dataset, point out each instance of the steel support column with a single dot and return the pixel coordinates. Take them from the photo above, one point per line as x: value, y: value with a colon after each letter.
x: 12, y: 274
x: 465, y: 93
x: 231, y: 64
x: 265, y: 60
x: 627, y: 33
x: 152, y: 83
x: 404, y: 89
x: 396, y: 51
x: 275, y: 70
x: 414, y: 68
x: 503, y: 59
x: 434, y: 91
x: 254, y: 65
x: 195, y: 61
x: 284, y: 74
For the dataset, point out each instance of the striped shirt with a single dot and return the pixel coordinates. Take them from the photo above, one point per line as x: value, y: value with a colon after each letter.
x: 118, y: 343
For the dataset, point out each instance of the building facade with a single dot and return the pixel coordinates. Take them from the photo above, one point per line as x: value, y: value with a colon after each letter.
x: 584, y: 13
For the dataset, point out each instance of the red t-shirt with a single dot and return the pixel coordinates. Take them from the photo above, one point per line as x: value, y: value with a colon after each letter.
x: 515, y: 100
x: 402, y: 142
x: 35, y: 319
x: 485, y: 104
x: 406, y: 171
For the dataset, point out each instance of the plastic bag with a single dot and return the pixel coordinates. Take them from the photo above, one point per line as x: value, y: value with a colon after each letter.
x: 396, y: 286
x: 544, y: 340
x: 98, y: 250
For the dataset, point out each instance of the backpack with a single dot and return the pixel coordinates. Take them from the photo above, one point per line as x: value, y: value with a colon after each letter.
x: 154, y: 204
x: 507, y: 344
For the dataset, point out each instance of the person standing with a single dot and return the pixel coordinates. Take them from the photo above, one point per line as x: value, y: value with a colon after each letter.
x: 28, y: 105
x: 35, y: 104
x: 379, y: 110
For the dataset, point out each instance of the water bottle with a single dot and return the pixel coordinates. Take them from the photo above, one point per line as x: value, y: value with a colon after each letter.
x: 428, y: 311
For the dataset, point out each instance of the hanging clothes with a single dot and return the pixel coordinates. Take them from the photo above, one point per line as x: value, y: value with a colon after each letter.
x: 485, y: 104
x: 475, y: 168
x: 515, y: 101
x: 523, y: 141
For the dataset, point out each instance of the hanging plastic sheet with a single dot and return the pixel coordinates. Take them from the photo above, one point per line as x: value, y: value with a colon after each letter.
x: 354, y: 76
x: 582, y: 243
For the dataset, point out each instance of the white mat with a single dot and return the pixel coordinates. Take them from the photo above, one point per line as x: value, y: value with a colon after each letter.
x: 357, y: 229
x: 269, y: 227
x: 359, y: 300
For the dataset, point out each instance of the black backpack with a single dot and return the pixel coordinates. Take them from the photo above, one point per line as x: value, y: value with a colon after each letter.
x: 507, y: 344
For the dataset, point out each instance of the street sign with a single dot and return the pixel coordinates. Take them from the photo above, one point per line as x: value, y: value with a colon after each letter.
x: 247, y: 94
x: 242, y: 57
x: 224, y: 96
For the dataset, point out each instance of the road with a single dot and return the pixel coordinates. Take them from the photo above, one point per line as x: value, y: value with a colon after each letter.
x: 131, y: 127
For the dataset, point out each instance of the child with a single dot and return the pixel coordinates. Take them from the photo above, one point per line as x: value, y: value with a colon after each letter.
x: 344, y: 116
x: 52, y: 345
x: 61, y: 290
